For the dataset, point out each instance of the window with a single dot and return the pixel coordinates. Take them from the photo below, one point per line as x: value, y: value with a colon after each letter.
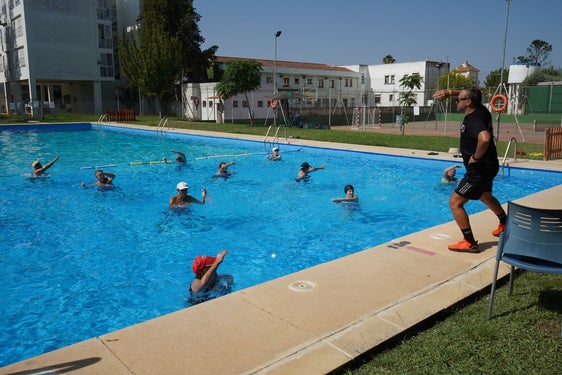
x: 348, y: 82
x: 269, y: 79
x: 260, y: 103
x: 18, y: 27
x: 104, y: 36
x: 235, y: 104
x: 21, y: 57
x: 332, y: 83
x: 362, y: 79
x: 245, y: 104
x: 389, y: 80
x: 297, y: 81
x: 391, y: 97
x: 377, y: 99
x: 309, y: 81
x: 204, y: 104
x: 286, y: 82
x: 106, y: 65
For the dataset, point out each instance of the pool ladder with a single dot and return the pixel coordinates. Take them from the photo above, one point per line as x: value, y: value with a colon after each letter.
x: 103, y: 118
x: 161, y: 125
x: 504, y: 164
x: 275, y: 141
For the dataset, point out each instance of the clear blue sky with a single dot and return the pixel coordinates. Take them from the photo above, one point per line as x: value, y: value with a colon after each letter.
x: 364, y: 31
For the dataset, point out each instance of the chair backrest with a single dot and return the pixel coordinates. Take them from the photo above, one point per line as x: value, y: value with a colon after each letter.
x: 532, y: 232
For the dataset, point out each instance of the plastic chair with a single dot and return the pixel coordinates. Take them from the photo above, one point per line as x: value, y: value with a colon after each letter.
x: 532, y: 240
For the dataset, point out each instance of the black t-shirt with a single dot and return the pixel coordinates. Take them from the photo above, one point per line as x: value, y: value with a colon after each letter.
x: 479, y: 120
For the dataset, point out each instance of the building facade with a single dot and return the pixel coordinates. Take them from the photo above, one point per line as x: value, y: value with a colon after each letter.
x: 60, y: 54
x: 314, y: 89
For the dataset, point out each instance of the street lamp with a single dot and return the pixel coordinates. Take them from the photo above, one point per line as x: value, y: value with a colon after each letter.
x: 277, y: 35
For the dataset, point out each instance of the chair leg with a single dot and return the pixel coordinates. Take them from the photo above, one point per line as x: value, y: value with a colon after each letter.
x: 511, y: 276
x: 493, y: 290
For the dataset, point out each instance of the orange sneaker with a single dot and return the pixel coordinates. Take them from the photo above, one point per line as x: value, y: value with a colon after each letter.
x: 465, y: 247
x: 499, y: 230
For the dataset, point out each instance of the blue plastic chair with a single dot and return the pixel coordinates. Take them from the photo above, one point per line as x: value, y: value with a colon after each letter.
x: 532, y: 240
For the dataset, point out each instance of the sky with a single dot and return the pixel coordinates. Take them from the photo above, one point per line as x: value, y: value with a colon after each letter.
x: 355, y: 32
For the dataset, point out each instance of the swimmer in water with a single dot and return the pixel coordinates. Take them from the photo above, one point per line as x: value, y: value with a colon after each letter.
x: 182, y: 199
x: 39, y: 169
x: 349, y: 195
x: 222, y: 171
x: 104, y: 179
x: 306, y: 169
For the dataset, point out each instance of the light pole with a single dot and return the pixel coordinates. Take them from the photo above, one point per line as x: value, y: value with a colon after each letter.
x: 329, y: 102
x: 277, y: 35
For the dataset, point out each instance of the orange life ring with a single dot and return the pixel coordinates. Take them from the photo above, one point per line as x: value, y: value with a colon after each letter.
x: 274, y: 103
x: 502, y: 107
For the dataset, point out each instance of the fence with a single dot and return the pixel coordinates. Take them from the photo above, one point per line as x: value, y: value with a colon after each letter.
x: 123, y: 115
x: 553, y: 143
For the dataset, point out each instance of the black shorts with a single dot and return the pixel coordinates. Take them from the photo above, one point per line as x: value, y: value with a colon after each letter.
x: 479, y: 179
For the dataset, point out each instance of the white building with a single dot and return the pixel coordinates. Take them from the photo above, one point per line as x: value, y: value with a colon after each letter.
x: 314, y: 88
x: 517, y: 74
x: 310, y: 86
x: 60, y: 54
x: 383, y: 80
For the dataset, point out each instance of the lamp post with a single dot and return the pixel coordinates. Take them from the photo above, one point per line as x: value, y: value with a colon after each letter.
x: 277, y: 35
x: 329, y: 102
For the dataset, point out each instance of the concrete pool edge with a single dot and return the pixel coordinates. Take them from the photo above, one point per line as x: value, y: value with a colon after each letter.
x: 270, y: 328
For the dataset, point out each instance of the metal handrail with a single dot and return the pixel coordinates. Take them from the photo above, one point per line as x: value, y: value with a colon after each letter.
x: 102, y: 118
x: 513, y: 139
x: 161, y: 124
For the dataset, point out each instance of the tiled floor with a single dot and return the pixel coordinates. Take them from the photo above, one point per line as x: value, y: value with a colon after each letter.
x: 310, y: 322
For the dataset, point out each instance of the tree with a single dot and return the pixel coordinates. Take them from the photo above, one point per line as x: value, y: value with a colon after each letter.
x: 388, y: 59
x: 240, y: 76
x: 154, y: 64
x: 407, y: 97
x: 179, y: 19
x: 493, y: 79
x: 538, y: 53
x: 454, y: 80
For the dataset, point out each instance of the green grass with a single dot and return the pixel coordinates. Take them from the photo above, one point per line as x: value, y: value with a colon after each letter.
x: 418, y: 142
x: 523, y: 337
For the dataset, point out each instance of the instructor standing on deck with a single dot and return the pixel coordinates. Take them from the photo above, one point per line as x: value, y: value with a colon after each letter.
x: 480, y: 159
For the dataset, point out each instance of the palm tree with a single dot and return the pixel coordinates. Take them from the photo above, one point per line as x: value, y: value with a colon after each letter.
x: 407, y: 97
x: 388, y: 59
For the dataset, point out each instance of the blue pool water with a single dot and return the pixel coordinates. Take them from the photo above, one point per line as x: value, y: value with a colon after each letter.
x: 78, y: 263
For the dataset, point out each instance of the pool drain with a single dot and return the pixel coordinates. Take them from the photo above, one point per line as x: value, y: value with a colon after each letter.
x: 302, y: 286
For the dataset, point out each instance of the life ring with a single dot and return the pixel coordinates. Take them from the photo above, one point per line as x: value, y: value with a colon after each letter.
x: 196, y: 101
x: 274, y: 103
x: 502, y: 107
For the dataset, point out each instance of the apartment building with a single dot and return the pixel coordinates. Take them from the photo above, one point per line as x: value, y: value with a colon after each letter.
x: 60, y: 54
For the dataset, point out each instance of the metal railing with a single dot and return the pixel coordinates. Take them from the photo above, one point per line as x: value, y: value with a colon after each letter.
x: 162, y: 124
x: 103, y: 118
x: 504, y: 164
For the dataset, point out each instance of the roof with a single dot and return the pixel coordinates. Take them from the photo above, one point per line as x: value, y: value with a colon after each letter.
x: 466, y: 67
x: 288, y: 64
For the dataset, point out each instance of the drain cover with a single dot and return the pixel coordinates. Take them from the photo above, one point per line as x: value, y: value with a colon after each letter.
x: 302, y: 286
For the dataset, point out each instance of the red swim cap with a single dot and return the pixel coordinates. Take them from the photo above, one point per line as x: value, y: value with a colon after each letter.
x: 200, y: 262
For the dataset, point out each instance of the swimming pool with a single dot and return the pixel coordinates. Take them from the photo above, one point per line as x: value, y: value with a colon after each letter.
x: 78, y: 263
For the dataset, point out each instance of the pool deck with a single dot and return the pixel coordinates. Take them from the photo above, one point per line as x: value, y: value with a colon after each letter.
x: 309, y: 322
